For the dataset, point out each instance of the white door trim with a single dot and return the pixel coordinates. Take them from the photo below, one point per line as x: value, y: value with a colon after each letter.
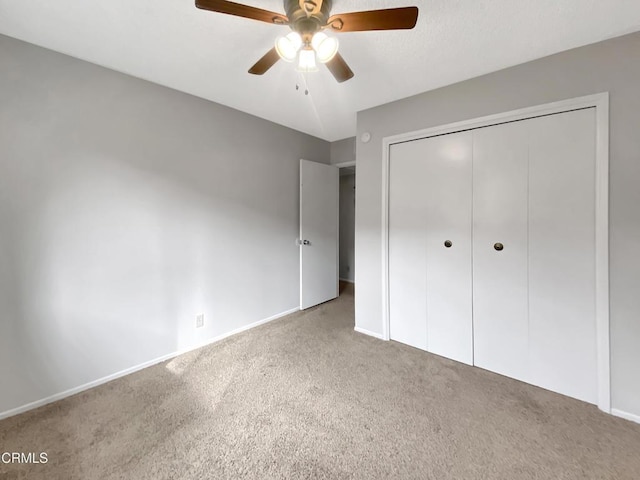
x: 601, y: 103
x: 345, y: 164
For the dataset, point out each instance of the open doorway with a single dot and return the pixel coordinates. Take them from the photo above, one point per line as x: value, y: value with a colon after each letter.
x: 347, y: 227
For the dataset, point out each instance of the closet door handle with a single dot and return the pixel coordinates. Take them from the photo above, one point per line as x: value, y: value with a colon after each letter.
x: 448, y: 243
x: 498, y: 246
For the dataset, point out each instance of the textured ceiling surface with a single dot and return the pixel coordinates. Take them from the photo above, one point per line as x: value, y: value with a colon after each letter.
x: 206, y: 54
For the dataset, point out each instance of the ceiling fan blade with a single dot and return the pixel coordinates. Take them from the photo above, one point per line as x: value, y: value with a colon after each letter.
x: 390, y: 19
x: 265, y: 63
x: 339, y: 68
x: 231, y: 8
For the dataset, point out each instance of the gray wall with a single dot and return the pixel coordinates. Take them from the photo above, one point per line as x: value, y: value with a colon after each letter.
x: 347, y: 226
x: 126, y: 209
x: 343, y: 151
x: 612, y: 66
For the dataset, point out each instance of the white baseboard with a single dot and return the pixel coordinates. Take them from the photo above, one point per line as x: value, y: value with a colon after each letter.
x: 128, y: 371
x: 346, y: 280
x: 368, y: 332
x: 625, y: 415
x: 235, y: 332
x: 82, y: 388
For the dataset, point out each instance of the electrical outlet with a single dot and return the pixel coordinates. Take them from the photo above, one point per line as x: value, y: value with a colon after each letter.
x: 200, y: 321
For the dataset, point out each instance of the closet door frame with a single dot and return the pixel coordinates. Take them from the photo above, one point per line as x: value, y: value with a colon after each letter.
x: 598, y: 101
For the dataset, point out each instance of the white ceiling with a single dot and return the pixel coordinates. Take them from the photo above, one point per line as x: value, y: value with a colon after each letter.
x: 172, y: 43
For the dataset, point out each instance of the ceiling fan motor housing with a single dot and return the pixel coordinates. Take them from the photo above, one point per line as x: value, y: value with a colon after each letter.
x: 307, y: 16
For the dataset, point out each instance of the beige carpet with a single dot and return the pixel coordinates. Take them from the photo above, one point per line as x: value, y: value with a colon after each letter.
x: 307, y: 397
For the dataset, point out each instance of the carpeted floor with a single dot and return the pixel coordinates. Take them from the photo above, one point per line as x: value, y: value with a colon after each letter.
x: 307, y: 397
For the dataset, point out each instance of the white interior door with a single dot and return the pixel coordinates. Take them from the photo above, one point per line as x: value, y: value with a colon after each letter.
x: 430, y: 245
x: 319, y: 217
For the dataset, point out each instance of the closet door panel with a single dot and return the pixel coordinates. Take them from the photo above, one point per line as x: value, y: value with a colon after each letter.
x: 562, y: 254
x: 500, y: 290
x: 448, y: 173
x: 430, y: 283
x: 407, y: 253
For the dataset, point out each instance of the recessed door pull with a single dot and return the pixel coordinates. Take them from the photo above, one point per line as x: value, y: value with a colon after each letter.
x: 498, y: 246
x: 448, y: 243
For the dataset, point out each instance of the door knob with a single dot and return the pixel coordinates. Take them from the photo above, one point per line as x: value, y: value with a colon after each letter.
x: 448, y: 243
x: 498, y: 246
x: 306, y: 242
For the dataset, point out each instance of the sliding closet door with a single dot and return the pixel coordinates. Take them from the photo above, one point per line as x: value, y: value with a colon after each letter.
x: 500, y: 310
x: 562, y: 323
x: 430, y: 245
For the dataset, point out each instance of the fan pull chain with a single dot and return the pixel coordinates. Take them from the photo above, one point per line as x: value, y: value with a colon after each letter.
x: 304, y: 81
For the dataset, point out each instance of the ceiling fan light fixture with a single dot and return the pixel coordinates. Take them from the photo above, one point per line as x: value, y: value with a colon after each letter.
x: 288, y: 46
x: 307, y: 61
x: 325, y: 46
x: 306, y: 42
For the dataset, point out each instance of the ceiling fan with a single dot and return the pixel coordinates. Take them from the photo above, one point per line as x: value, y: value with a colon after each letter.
x: 307, y: 41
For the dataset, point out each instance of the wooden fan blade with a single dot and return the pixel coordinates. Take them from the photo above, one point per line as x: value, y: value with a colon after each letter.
x: 390, y: 19
x: 265, y: 63
x: 339, y: 68
x: 231, y: 8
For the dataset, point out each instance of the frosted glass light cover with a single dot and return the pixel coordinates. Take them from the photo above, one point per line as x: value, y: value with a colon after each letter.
x: 326, y: 47
x: 288, y: 46
x: 307, y: 61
